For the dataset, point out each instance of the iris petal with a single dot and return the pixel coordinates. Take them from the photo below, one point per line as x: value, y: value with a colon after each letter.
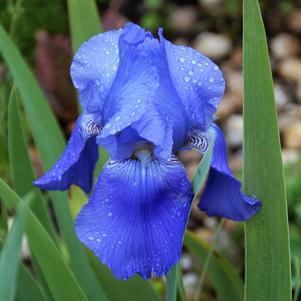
x: 77, y: 163
x: 94, y: 67
x: 198, y: 81
x: 135, y: 219
x: 131, y: 94
x: 222, y: 195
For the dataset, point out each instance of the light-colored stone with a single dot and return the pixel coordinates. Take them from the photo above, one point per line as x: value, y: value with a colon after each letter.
x: 182, y: 18
x: 234, y: 130
x: 213, y: 45
x: 290, y: 156
x: 235, y: 83
x: 292, y: 135
x: 284, y: 45
x: 186, y: 262
x: 294, y: 21
x: 281, y: 97
x: 290, y: 69
x: 190, y: 282
x: 212, y: 5
x: 229, y: 104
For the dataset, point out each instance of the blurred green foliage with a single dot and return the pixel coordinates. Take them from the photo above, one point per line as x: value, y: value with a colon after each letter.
x: 33, y: 15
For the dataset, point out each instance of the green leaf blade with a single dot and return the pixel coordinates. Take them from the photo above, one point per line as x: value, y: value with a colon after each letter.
x: 267, y: 241
x: 84, y: 21
x: 50, y: 260
x: 50, y: 143
x: 9, y: 259
x: 20, y: 165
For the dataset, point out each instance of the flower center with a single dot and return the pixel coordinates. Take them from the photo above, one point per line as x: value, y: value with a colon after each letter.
x: 143, y: 153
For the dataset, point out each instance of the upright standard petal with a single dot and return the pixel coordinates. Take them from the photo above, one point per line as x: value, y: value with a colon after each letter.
x: 222, y: 195
x: 94, y: 67
x: 96, y: 62
x: 130, y: 96
x: 77, y: 163
x: 198, y: 81
x: 135, y: 219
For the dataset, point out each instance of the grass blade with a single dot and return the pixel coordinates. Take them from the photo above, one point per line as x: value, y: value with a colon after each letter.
x: 223, y: 278
x: 84, y: 21
x: 60, y: 280
x: 9, y: 259
x: 45, y: 130
x: 268, y: 275
x: 27, y: 288
x: 172, y: 283
x: 20, y: 166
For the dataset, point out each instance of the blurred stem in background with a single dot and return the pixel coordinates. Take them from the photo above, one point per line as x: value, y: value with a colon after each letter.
x: 16, y: 11
x: 208, y: 259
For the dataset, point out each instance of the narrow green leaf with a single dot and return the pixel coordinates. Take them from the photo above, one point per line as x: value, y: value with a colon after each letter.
x: 42, y: 121
x: 27, y: 288
x: 134, y: 289
x: 172, y: 282
x: 9, y: 258
x: 60, y: 280
x: 268, y: 275
x: 50, y: 143
x: 202, y: 170
x: 84, y: 21
x: 223, y: 278
x: 20, y: 166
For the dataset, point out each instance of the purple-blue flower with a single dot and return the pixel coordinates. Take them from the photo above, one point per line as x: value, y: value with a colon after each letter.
x: 143, y: 100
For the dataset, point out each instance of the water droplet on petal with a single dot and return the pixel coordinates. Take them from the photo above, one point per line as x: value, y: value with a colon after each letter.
x: 110, y: 214
x: 193, y: 62
x: 187, y: 79
x: 181, y: 59
x: 211, y: 79
x: 190, y: 73
x: 117, y: 118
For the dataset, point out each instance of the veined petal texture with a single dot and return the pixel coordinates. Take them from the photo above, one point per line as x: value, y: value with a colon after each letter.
x: 135, y: 219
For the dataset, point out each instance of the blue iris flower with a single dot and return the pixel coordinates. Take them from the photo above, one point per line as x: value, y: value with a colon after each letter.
x: 143, y: 100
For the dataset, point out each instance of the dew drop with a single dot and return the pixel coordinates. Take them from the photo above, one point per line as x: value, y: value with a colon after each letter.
x: 117, y: 118
x: 110, y: 214
x: 91, y: 238
x: 104, y: 235
x: 190, y: 73
x: 181, y: 59
x: 211, y: 79
x: 187, y: 79
x: 193, y: 62
x: 215, y: 68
